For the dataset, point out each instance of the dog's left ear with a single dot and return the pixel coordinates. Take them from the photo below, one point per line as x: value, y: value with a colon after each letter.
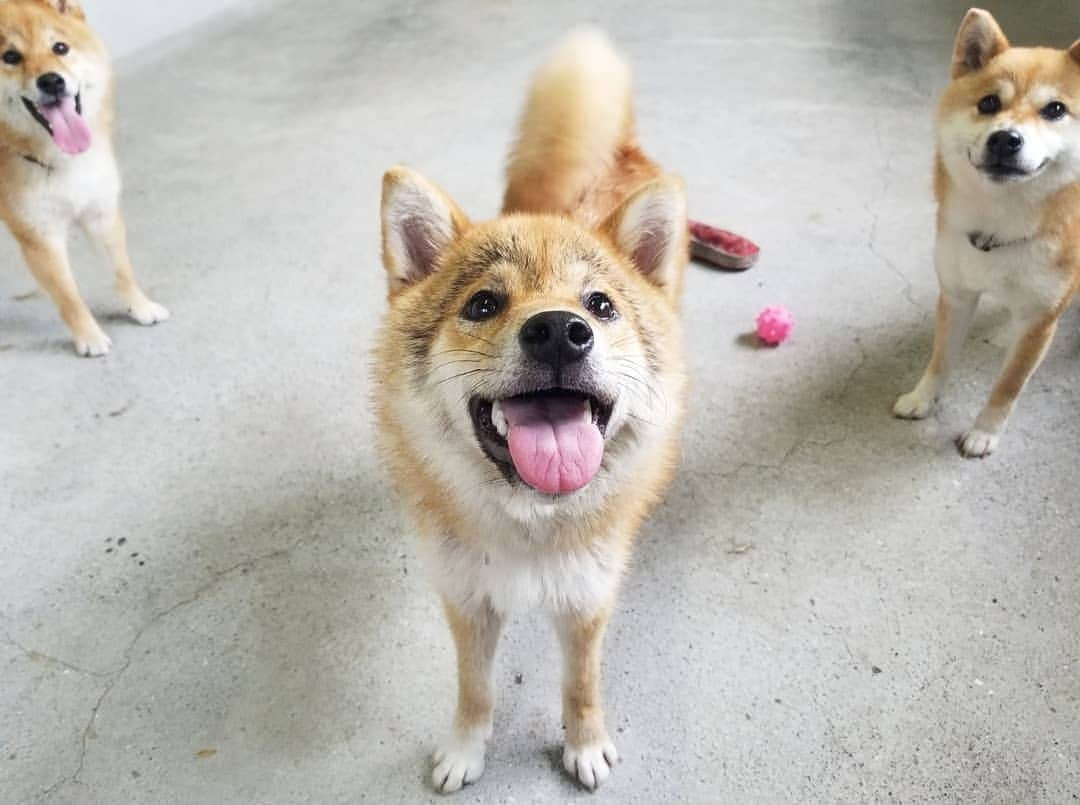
x: 1074, y: 50
x: 980, y: 39
x: 418, y: 222
x: 650, y: 228
x: 69, y: 7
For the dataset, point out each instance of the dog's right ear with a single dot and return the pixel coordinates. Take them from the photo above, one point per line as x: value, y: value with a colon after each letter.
x: 418, y: 222
x: 980, y: 39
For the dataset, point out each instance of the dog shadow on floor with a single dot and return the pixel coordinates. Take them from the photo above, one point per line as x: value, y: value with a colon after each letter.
x: 302, y: 612
x: 830, y: 417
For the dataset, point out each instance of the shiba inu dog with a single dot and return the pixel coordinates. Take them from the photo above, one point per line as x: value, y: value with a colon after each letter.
x: 1008, y: 191
x: 530, y: 386
x: 56, y: 160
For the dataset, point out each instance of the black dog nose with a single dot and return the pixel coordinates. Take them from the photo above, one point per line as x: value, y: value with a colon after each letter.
x: 556, y: 338
x: 51, y: 83
x: 1005, y: 143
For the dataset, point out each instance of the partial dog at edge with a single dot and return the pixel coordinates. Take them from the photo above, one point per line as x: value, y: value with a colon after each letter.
x: 1008, y: 191
x: 530, y: 386
x: 56, y: 160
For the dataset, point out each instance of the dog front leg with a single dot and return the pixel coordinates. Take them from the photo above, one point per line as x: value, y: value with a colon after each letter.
x: 954, y: 314
x: 1024, y: 357
x: 107, y: 232
x: 589, y: 754
x: 460, y: 759
x: 47, y: 258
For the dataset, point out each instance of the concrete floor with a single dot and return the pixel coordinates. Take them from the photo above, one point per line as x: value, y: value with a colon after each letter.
x: 832, y: 606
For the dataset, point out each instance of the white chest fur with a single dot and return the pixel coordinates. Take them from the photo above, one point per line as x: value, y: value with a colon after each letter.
x: 1020, y: 271
x: 512, y: 576
x: 71, y: 189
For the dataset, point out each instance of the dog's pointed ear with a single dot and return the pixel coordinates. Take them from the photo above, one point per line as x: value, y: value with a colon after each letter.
x: 980, y: 39
x: 69, y: 7
x: 1074, y: 50
x: 650, y: 228
x: 418, y: 222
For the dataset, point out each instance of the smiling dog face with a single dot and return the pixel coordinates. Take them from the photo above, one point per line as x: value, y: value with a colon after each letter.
x: 54, y: 74
x: 531, y: 359
x: 1011, y: 115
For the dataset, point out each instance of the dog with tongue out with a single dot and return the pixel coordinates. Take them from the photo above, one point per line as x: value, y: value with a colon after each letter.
x: 57, y: 168
x: 530, y: 386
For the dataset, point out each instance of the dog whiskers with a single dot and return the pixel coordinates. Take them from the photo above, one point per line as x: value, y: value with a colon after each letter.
x: 469, y: 351
x: 465, y: 374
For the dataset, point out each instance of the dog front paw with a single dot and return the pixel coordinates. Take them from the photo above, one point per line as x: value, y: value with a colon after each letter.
x: 147, y: 313
x: 458, y: 762
x: 91, y: 342
x: 977, y: 443
x: 591, y: 764
x: 913, y: 405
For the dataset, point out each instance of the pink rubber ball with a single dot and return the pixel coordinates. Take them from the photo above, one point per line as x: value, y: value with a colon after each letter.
x: 774, y: 325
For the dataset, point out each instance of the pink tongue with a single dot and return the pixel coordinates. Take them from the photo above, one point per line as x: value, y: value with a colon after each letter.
x: 554, y: 447
x: 69, y: 130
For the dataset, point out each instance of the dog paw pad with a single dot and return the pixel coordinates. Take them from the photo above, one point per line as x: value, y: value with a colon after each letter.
x: 977, y: 443
x: 458, y: 762
x: 147, y: 313
x: 92, y: 343
x: 912, y: 406
x: 590, y: 765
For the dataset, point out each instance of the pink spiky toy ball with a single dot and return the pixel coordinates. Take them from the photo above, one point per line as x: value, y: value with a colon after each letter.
x: 774, y: 325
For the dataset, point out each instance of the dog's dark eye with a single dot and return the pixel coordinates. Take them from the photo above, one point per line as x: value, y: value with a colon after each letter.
x: 12, y: 57
x: 1055, y: 110
x: 600, y: 306
x: 990, y: 105
x: 60, y: 48
x: 483, y: 305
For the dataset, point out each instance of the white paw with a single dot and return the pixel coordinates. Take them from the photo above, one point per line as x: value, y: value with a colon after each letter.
x: 459, y: 761
x: 146, y: 312
x: 92, y: 343
x: 977, y: 443
x: 913, y: 406
x: 590, y: 765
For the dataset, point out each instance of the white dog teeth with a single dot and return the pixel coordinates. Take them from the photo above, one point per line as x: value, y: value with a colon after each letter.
x: 588, y: 410
x: 498, y: 419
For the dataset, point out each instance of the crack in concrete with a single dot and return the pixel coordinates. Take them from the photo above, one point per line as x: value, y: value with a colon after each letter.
x: 38, y: 656
x: 778, y: 466
x: 129, y: 656
x: 875, y: 221
x: 871, y: 245
x: 859, y: 365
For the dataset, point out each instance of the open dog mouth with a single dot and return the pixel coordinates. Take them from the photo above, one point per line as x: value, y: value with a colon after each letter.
x: 61, y: 116
x: 553, y: 439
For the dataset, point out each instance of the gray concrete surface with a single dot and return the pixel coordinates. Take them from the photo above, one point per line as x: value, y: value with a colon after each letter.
x: 832, y: 606
x: 129, y: 28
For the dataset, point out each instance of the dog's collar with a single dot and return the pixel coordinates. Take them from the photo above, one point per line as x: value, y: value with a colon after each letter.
x: 988, y: 243
x: 33, y: 159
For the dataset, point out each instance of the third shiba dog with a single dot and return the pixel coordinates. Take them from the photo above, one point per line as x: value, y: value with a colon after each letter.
x: 1008, y: 191
x: 530, y: 387
x: 56, y: 160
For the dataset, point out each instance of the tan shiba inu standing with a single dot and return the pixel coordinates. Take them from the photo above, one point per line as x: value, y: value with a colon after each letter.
x: 530, y: 386
x: 56, y: 161
x: 1008, y: 191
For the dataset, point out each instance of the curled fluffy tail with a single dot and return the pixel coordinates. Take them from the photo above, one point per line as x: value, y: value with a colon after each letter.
x: 578, y: 115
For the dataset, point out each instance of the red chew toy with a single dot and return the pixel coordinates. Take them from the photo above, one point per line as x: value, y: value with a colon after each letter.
x: 722, y: 248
